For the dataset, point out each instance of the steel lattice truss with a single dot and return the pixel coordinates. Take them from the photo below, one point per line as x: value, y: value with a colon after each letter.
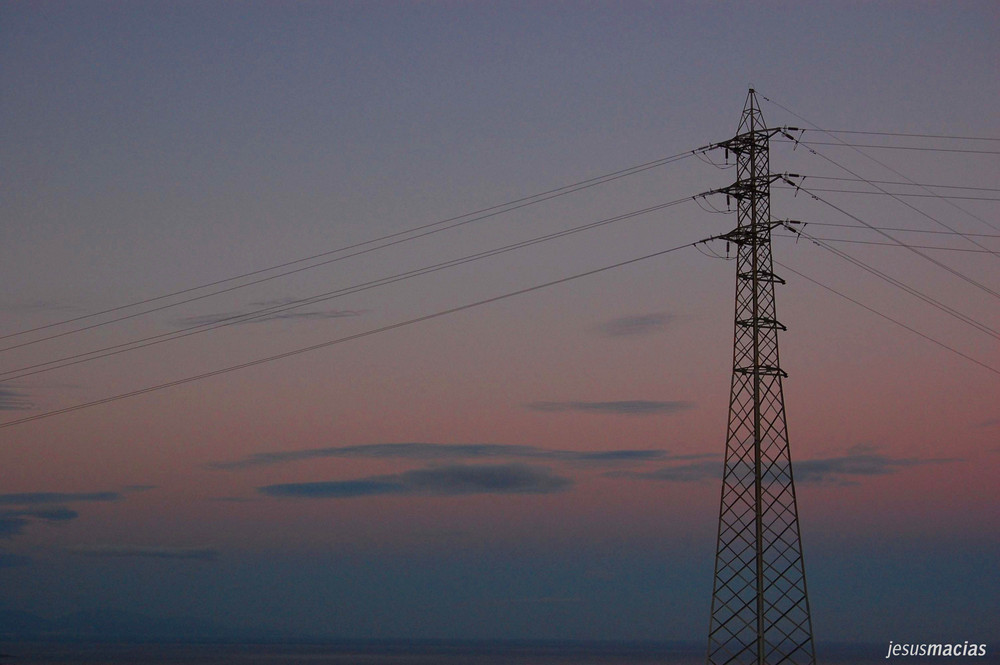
x: 760, y: 610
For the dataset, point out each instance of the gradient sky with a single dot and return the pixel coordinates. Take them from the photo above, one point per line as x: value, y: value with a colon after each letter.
x: 544, y: 466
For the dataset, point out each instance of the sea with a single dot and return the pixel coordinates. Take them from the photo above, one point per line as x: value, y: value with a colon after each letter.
x: 406, y: 653
x: 351, y: 653
x: 401, y: 652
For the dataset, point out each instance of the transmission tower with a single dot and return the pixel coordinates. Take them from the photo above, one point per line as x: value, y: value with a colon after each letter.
x: 760, y: 610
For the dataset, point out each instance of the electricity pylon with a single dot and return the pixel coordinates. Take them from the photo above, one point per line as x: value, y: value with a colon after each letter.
x: 760, y: 609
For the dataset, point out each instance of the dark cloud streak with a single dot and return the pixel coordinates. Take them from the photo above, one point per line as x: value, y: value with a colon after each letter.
x: 42, y: 498
x: 14, y: 522
x: 832, y: 470
x: 147, y: 552
x: 439, y: 451
x: 635, y: 326
x: 624, y: 407
x: 26, y: 507
x: 234, y: 318
x: 837, y: 469
x: 336, y: 489
x: 440, y: 481
x: 12, y: 400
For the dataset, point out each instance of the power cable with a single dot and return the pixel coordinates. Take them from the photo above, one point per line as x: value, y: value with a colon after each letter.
x: 702, y: 201
x: 905, y: 184
x: 267, y: 312
x: 887, y: 317
x: 922, y: 136
x: 704, y: 157
x: 982, y: 327
x: 903, y: 229
x: 883, y: 165
x: 892, y: 244
x: 908, y: 205
x: 477, y: 215
x: 905, y: 203
x: 340, y: 340
x: 943, y: 266
x: 922, y: 196
x: 841, y: 144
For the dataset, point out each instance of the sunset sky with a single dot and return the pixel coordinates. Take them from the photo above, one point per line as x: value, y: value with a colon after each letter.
x: 546, y: 465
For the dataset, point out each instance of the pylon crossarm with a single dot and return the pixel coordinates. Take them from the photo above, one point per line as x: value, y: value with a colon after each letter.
x: 741, y: 143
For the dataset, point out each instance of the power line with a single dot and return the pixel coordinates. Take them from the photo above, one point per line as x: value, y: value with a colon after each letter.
x: 943, y: 266
x: 881, y: 189
x: 888, y: 318
x: 892, y: 244
x: 890, y: 147
x: 904, y: 184
x: 922, y: 196
x: 477, y: 215
x: 266, y: 312
x: 922, y: 136
x: 903, y: 229
x: 982, y: 327
x: 340, y: 340
x: 883, y: 165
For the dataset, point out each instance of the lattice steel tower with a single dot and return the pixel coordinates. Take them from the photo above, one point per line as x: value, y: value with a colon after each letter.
x: 760, y: 610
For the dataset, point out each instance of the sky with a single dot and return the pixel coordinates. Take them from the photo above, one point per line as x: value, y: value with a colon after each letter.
x: 546, y: 465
